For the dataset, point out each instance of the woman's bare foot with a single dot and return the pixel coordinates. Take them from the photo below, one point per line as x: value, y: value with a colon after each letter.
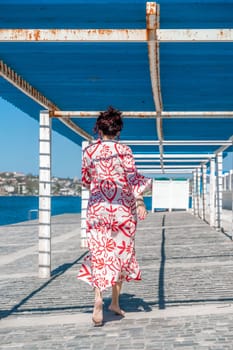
x: 116, y: 310
x: 97, y: 316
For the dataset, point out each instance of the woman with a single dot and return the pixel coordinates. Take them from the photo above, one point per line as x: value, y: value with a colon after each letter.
x: 115, y: 203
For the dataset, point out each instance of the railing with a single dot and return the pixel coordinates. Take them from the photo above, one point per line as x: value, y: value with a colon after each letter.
x: 30, y: 214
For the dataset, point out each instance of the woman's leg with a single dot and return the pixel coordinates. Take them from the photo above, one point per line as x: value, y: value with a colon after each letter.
x: 114, y: 306
x: 97, y: 316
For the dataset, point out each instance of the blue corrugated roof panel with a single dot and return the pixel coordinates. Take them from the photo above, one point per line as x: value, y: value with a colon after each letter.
x: 196, y: 76
x: 85, y: 76
x: 92, y: 76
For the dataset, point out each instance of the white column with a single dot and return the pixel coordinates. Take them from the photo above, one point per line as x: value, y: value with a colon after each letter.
x: 231, y: 180
x: 45, y: 196
x: 193, y: 200
x: 195, y: 211
x: 204, y: 192
x: 212, y: 192
x: 224, y: 182
x: 218, y: 223
x: 153, y: 195
x: 85, y: 197
x: 198, y: 171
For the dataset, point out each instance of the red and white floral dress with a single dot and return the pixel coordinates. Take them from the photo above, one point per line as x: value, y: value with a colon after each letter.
x: 109, y: 171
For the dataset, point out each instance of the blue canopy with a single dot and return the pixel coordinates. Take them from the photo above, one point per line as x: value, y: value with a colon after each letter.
x: 90, y: 76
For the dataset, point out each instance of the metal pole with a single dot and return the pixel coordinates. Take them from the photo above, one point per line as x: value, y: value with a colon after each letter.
x: 45, y: 196
x: 84, y: 202
x: 152, y: 21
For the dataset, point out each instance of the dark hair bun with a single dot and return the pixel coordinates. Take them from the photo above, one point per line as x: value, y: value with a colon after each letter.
x: 109, y: 122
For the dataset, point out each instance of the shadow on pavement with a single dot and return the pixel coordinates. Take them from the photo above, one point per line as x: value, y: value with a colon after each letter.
x: 60, y: 270
x: 162, y: 304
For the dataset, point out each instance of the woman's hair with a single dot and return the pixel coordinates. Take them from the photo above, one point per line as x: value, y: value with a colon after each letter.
x: 109, y: 122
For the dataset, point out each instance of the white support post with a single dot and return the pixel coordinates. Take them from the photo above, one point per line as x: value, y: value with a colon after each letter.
x: 212, y: 192
x: 198, y: 171
x: 85, y: 197
x: 45, y: 196
x: 224, y: 182
x: 231, y: 180
x: 195, y: 211
x: 153, y: 195
x: 193, y: 200
x: 219, y: 191
x: 203, y: 192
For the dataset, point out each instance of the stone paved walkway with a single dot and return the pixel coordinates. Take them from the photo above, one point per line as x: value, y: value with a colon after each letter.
x: 185, y: 300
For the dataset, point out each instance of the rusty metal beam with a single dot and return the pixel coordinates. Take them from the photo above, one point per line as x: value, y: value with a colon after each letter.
x: 15, y: 79
x: 167, y: 166
x: 165, y: 171
x: 21, y: 84
x: 198, y: 114
x: 194, y: 160
x: 172, y: 156
x: 221, y: 149
x: 152, y: 23
x: 224, y: 147
x: 195, y: 35
x: 146, y: 114
x: 116, y: 35
x: 73, y: 35
x: 180, y: 142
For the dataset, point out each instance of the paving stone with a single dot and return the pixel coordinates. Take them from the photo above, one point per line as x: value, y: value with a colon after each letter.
x: 184, y: 301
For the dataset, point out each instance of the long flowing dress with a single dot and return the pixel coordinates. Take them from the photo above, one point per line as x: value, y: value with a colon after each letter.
x: 109, y: 171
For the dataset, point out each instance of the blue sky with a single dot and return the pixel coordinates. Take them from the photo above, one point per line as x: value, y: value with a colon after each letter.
x: 19, y: 144
x: 19, y: 150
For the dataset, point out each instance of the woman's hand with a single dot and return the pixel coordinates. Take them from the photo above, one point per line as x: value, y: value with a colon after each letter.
x: 141, y: 208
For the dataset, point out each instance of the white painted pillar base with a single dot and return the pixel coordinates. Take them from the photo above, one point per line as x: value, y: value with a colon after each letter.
x: 212, y: 192
x: 45, y: 196
x: 84, y: 202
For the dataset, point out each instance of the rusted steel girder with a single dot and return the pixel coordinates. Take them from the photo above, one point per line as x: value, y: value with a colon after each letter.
x: 158, y: 171
x: 73, y: 35
x: 195, y: 35
x: 167, y: 166
x: 152, y: 23
x: 21, y: 84
x: 146, y: 114
x: 223, y: 148
x: 15, y: 79
x: 174, y: 156
x: 116, y: 35
x: 193, y: 160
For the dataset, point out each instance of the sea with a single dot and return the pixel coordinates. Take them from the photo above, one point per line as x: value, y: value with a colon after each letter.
x: 15, y: 209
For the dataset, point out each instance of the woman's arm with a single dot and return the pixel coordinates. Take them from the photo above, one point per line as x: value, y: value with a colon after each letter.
x: 139, y: 183
x: 141, y: 208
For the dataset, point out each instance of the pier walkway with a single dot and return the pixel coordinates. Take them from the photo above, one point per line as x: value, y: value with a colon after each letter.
x: 185, y: 300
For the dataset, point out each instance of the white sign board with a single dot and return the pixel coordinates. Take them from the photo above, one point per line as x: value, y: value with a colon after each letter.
x: 170, y: 194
